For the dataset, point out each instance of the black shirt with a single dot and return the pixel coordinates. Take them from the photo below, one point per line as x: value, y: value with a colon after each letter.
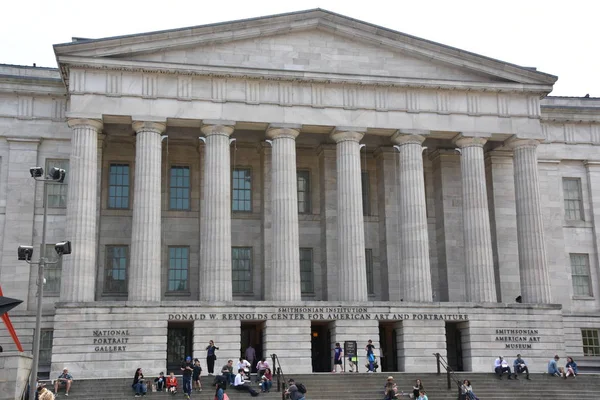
x: 185, y: 371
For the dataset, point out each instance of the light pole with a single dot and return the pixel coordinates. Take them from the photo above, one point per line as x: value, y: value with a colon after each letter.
x: 25, y: 253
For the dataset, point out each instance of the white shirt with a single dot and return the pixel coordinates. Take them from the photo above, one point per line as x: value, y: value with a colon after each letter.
x: 243, y: 364
x: 238, y: 380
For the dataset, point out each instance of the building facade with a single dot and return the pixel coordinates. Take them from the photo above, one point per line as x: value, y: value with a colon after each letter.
x: 293, y: 181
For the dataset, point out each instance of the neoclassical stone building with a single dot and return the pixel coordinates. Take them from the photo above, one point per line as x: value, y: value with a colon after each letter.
x: 293, y: 181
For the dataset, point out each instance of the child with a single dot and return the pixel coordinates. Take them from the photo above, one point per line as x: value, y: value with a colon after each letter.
x: 160, y: 382
x: 172, y: 384
x: 196, y: 375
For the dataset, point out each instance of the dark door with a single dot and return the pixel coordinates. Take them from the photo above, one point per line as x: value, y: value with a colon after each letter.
x: 179, y: 345
x: 321, y: 348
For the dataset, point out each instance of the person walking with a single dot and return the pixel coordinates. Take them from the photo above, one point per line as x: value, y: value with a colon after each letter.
x: 187, y: 369
x: 211, y: 357
x: 338, y: 356
x: 370, y: 355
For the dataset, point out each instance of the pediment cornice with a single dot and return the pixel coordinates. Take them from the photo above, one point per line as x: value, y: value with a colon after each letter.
x: 121, y: 47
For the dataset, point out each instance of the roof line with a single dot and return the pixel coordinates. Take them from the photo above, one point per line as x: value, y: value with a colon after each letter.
x: 27, y: 66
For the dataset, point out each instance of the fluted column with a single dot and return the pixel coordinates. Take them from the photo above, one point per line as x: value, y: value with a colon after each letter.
x: 533, y: 267
x: 414, y: 237
x: 215, y: 220
x: 479, y: 260
x: 352, y: 281
x: 79, y: 268
x: 145, y: 258
x: 285, y: 263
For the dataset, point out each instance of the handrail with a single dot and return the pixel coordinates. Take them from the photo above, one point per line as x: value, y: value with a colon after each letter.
x: 450, y: 374
x: 280, y: 375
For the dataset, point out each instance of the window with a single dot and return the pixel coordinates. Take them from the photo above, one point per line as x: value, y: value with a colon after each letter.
x: 303, y: 178
x: 52, y: 272
x: 178, y: 268
x: 179, y: 191
x: 56, y: 194
x: 118, y: 186
x: 242, y: 190
x: 241, y: 270
x: 115, y: 279
x: 580, y: 272
x: 306, y: 270
x: 46, y: 336
x: 572, y: 195
x: 591, y: 346
x: 369, y: 264
x: 365, y: 193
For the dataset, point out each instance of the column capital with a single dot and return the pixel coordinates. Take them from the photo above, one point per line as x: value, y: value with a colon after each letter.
x: 343, y: 134
x: 158, y: 127
x: 517, y: 143
x: 283, y: 131
x: 401, y: 138
x: 218, y: 127
x: 463, y: 141
x: 95, y: 124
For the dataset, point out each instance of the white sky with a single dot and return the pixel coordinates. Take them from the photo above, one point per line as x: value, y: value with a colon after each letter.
x: 556, y: 36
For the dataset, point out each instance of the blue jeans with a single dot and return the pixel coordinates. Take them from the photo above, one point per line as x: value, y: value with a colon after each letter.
x: 187, y: 385
x: 140, y: 388
x: 266, y: 385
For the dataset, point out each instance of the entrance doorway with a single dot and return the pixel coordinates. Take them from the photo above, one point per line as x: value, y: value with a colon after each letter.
x: 321, y: 347
x: 454, y: 345
x: 252, y: 334
x: 179, y: 343
x: 389, y: 347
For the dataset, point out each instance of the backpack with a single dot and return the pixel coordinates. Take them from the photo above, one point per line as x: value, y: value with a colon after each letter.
x: 301, y: 388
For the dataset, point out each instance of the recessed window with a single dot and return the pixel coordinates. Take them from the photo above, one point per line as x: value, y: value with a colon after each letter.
x: 580, y: 274
x: 306, y: 270
x: 366, y: 198
x: 369, y: 265
x: 303, y: 180
x: 46, y: 337
x: 591, y: 345
x: 52, y: 272
x: 118, y: 186
x: 115, y: 269
x: 242, y: 190
x: 56, y: 193
x: 179, y: 258
x: 573, y: 199
x: 241, y: 270
x: 179, y: 190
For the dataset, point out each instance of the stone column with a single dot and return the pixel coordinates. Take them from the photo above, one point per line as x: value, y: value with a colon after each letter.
x: 285, y: 264
x: 79, y: 268
x: 413, y: 230
x: 145, y: 258
x: 479, y: 259
x: 352, y: 275
x: 533, y: 267
x: 215, y: 216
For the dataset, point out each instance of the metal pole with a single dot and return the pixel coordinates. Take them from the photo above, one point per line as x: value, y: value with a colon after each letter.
x: 437, y: 358
x: 38, y: 316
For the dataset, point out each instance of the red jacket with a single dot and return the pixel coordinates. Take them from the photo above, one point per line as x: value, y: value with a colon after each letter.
x: 171, y: 381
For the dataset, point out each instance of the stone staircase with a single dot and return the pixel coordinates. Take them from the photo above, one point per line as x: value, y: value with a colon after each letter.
x: 362, y: 386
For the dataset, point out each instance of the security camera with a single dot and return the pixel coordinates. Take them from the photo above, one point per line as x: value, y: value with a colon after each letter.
x: 57, y: 174
x: 63, y: 248
x: 25, y: 253
x: 36, y: 172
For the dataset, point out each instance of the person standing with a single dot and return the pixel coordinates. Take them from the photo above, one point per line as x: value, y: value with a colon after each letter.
x: 196, y: 375
x: 187, y: 369
x: 370, y: 355
x: 338, y: 356
x: 250, y: 354
x: 211, y: 357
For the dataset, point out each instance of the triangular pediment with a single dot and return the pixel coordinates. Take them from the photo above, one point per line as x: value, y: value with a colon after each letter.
x: 314, y: 41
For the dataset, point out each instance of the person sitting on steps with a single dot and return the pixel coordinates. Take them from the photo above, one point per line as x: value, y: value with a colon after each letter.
x: 520, y: 366
x: 553, y: 367
x: 65, y: 379
x: 172, y: 384
x: 501, y: 366
x: 570, y: 368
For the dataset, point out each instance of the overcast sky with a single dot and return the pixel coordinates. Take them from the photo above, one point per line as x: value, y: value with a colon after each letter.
x: 555, y: 36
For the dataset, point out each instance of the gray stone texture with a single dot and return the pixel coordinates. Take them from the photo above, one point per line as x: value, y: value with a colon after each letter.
x: 215, y: 220
x: 329, y: 217
x: 352, y: 279
x: 535, y: 284
x: 414, y: 240
x: 145, y: 266
x: 479, y: 262
x: 16, y: 369
x: 285, y: 264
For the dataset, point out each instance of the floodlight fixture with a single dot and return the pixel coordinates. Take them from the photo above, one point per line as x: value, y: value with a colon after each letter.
x: 25, y: 253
